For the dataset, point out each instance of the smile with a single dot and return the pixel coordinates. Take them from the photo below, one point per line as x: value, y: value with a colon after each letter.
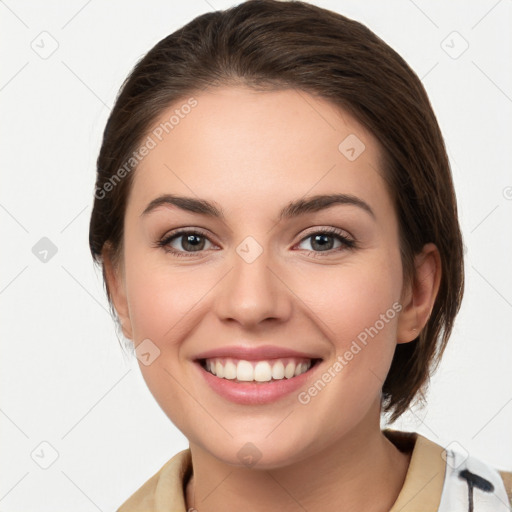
x: 240, y: 370
x: 256, y: 382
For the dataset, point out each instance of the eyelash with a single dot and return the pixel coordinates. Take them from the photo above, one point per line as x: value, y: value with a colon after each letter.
x: 336, y: 233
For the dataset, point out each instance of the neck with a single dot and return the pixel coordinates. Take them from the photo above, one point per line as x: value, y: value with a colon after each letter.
x: 336, y: 478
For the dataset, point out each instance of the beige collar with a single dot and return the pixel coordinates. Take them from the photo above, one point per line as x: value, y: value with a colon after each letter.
x: 423, y: 485
x: 424, y: 480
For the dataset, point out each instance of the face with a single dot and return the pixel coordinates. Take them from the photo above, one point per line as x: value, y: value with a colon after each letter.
x: 324, y: 281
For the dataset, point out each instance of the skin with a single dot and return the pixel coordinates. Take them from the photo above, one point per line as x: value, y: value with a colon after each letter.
x: 251, y: 153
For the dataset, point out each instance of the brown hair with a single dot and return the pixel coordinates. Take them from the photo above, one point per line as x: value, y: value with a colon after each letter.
x: 270, y: 44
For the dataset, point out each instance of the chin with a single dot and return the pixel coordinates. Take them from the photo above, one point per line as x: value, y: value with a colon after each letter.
x: 258, y: 451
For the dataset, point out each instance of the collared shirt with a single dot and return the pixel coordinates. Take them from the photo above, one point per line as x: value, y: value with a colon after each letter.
x: 437, y: 480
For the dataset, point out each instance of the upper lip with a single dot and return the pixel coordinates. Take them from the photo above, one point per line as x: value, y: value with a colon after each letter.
x: 251, y: 353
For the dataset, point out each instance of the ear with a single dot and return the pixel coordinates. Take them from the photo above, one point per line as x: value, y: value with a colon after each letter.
x: 420, y: 295
x: 114, y: 276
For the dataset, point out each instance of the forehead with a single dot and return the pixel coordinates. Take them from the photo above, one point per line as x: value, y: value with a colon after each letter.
x: 265, y: 147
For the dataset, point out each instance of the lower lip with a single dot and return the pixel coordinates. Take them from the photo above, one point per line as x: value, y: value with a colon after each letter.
x: 255, y: 393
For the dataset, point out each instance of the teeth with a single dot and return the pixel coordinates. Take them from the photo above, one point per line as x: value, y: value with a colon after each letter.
x: 278, y: 370
x: 230, y: 370
x: 259, y: 371
x: 244, y: 371
x: 289, y: 371
x: 262, y: 372
x: 219, y: 369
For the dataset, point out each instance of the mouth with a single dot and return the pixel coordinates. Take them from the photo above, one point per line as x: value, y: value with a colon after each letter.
x: 265, y: 371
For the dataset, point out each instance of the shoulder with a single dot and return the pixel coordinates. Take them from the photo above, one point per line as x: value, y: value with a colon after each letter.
x: 470, y: 479
x: 164, y: 490
x: 450, y: 479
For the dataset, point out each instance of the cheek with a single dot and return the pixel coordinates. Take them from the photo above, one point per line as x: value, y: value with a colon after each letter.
x: 351, y: 298
x: 357, y: 307
x: 161, y: 296
x: 162, y: 304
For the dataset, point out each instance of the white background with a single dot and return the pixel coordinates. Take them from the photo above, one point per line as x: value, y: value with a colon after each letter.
x: 63, y: 377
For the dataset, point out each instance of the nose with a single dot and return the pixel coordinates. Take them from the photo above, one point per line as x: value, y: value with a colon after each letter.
x: 253, y: 293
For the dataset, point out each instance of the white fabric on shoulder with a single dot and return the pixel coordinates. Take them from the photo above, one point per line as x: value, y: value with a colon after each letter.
x: 471, y: 485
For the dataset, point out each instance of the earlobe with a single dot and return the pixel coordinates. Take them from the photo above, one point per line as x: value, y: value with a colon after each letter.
x: 117, y: 291
x: 421, y: 295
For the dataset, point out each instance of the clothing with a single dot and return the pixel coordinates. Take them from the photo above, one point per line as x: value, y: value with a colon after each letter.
x: 438, y: 480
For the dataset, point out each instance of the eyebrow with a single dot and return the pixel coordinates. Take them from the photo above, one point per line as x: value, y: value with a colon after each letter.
x: 293, y: 209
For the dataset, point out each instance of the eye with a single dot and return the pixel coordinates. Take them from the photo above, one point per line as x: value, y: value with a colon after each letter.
x: 182, y: 242
x: 186, y: 242
x: 325, y: 241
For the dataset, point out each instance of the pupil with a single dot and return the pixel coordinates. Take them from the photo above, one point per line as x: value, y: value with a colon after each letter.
x: 321, y: 239
x: 190, y: 240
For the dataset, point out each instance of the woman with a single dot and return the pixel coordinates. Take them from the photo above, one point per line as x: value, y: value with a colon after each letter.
x: 277, y: 226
